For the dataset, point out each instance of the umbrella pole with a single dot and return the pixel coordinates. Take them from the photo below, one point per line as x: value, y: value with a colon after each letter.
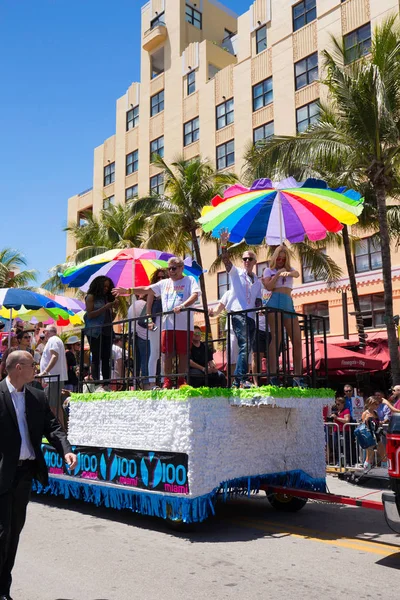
x: 280, y: 219
x: 9, y: 333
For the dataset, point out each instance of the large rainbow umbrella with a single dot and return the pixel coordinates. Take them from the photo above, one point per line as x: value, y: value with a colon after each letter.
x: 287, y: 210
x: 130, y: 267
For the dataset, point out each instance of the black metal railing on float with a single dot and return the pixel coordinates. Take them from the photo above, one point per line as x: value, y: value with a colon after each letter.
x: 141, y: 357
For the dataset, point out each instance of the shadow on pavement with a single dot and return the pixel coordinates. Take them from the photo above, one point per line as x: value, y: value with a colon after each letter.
x: 246, y: 519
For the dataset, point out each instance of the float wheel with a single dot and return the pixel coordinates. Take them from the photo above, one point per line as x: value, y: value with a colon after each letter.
x: 286, y: 502
x: 178, y: 525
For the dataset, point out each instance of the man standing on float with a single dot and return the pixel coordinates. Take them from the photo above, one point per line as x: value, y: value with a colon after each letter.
x: 246, y: 290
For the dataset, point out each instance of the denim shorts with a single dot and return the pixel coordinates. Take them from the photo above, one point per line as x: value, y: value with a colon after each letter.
x: 281, y: 302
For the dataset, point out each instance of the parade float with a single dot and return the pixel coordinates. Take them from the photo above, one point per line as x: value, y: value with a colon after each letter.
x: 173, y: 453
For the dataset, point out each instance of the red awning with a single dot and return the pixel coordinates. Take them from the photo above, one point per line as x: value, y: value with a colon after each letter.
x: 340, y: 359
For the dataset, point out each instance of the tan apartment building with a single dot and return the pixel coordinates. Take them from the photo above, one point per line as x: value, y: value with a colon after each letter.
x: 211, y: 84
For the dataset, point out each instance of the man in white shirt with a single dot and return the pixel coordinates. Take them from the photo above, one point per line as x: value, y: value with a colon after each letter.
x: 54, y: 365
x: 177, y: 293
x: 246, y: 289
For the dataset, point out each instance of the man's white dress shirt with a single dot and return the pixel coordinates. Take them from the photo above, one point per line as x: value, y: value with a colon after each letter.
x: 26, y: 452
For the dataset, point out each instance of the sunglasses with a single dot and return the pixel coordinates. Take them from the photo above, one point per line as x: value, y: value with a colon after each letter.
x: 161, y: 277
x: 26, y: 337
x: 174, y: 268
x: 247, y: 258
x: 32, y: 364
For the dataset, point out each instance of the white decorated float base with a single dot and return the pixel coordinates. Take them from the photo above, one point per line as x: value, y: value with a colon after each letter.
x: 236, y: 441
x: 224, y: 438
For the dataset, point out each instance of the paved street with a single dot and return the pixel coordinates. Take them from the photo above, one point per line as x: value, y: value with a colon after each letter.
x: 77, y: 552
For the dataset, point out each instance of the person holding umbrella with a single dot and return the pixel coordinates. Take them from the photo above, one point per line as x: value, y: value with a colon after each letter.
x: 246, y: 294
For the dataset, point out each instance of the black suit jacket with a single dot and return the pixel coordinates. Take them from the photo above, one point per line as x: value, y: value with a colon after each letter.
x: 41, y: 422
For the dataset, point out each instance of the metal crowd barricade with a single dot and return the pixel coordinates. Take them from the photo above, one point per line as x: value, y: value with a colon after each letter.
x: 334, y: 454
x: 353, y: 454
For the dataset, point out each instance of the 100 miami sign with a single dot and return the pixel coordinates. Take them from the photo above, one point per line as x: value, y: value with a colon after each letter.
x: 153, y: 471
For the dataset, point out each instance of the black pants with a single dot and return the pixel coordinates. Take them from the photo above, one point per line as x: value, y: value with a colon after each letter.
x: 100, y: 347
x: 12, y: 519
x: 198, y: 379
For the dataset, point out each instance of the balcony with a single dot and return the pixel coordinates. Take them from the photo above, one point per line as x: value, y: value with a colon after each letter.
x: 156, y: 35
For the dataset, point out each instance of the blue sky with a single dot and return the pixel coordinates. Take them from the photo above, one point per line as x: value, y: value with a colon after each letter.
x: 64, y: 64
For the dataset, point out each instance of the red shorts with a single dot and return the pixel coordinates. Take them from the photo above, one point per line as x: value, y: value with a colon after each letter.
x: 175, y: 341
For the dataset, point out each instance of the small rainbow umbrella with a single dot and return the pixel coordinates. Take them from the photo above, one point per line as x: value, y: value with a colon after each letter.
x: 25, y: 304
x: 130, y: 267
x: 287, y: 210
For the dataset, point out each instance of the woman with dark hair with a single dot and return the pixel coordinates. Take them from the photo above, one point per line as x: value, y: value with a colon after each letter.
x: 99, y: 316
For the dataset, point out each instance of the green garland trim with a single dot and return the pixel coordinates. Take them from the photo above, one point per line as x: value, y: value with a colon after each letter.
x: 186, y: 392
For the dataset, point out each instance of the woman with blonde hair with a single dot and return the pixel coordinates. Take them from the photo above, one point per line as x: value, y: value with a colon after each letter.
x: 278, y: 279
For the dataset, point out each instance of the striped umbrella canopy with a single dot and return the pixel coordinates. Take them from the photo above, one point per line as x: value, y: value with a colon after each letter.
x: 25, y: 304
x: 287, y: 210
x: 70, y: 303
x: 129, y: 267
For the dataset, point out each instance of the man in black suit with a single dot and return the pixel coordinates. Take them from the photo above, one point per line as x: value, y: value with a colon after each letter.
x: 25, y: 417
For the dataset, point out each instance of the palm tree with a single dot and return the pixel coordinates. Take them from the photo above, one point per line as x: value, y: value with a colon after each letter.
x: 358, y: 139
x: 11, y: 262
x: 174, y: 216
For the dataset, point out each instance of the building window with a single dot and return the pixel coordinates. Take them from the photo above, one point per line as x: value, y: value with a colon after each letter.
x: 191, y: 131
x: 306, y: 71
x: 132, y: 118
x: 306, y: 116
x: 191, y: 83
x: 225, y: 155
x: 157, y: 63
x: 132, y: 162
x: 264, y: 132
x: 158, y: 20
x: 157, y: 103
x: 131, y: 192
x: 373, y: 310
x: 157, y: 184
x: 304, y: 12
x: 109, y: 174
x: 367, y: 254
x: 318, y: 309
x: 157, y: 147
x: 262, y: 94
x: 223, y: 284
x: 193, y: 17
x: 225, y: 113
x: 107, y: 202
x: 261, y: 39
x: 357, y: 43
x: 260, y: 267
x: 307, y: 273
